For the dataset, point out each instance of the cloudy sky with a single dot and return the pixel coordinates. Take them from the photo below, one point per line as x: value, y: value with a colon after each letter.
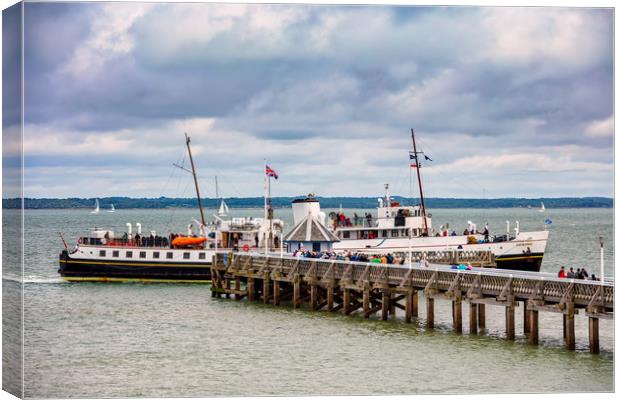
x: 506, y: 101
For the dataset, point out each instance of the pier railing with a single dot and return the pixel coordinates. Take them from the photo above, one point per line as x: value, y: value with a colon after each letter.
x: 523, y: 286
x: 350, y: 286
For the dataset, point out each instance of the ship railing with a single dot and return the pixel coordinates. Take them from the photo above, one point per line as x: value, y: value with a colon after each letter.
x: 352, y: 223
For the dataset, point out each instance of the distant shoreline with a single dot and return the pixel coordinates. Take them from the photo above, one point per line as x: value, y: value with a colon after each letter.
x: 285, y: 202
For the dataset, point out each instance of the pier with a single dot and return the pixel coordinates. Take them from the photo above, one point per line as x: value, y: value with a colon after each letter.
x: 369, y: 288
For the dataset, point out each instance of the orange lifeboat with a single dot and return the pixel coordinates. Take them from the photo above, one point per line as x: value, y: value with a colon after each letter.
x: 183, y: 241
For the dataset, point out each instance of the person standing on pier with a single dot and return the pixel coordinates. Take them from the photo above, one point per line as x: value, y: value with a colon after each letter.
x: 584, y: 273
x: 562, y: 272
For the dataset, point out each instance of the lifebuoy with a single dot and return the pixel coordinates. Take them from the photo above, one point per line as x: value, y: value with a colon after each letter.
x: 246, y: 247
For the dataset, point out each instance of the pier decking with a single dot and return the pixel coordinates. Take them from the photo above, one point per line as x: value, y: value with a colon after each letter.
x: 347, y: 287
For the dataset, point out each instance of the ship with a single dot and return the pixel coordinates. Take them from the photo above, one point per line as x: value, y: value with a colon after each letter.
x: 102, y: 255
x: 398, y: 228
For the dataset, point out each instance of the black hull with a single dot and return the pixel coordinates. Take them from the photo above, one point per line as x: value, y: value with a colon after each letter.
x: 77, y: 270
x: 530, y: 262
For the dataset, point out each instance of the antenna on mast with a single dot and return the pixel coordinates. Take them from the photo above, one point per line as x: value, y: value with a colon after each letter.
x: 417, y: 168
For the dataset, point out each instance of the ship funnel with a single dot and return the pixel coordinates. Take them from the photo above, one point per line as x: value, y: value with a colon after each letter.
x: 139, y: 228
x: 303, y: 207
x: 128, y: 229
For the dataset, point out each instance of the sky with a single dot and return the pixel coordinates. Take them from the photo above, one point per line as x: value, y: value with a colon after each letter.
x: 506, y: 101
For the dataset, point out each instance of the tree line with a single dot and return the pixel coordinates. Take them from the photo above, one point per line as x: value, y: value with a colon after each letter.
x: 326, y: 202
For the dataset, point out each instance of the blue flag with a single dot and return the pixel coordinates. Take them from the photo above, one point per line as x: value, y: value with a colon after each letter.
x: 548, y: 221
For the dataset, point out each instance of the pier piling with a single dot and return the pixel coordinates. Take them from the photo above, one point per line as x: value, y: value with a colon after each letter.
x: 330, y: 297
x: 458, y: 315
x: 481, y: 316
x: 266, y: 296
x: 570, y: 326
x: 346, y: 301
x: 276, y: 292
x: 533, y: 323
x: 385, y: 304
x: 473, y: 318
x: 430, y: 312
x: 250, y: 289
x: 510, y: 322
x: 593, y: 335
x: 296, y: 292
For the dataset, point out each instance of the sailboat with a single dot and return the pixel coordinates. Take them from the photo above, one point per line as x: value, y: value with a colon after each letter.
x: 96, y: 210
x: 223, y: 211
x: 542, y: 207
x: 112, y: 209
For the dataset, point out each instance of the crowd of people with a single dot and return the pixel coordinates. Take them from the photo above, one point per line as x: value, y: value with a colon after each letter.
x: 581, y: 273
x: 349, y: 256
x: 340, y: 219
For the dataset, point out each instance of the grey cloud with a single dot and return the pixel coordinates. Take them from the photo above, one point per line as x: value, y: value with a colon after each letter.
x: 327, y: 83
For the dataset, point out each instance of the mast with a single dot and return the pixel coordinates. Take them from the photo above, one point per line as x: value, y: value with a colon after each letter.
x: 217, y: 195
x: 270, y: 212
x: 191, y: 160
x: 417, y: 164
x: 265, y: 184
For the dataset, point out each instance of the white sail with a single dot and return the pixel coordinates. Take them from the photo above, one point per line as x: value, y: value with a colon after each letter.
x: 223, y: 208
x: 542, y: 207
x: 96, y: 210
x: 112, y: 209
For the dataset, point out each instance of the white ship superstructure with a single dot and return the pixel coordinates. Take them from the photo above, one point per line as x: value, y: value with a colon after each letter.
x: 399, y: 229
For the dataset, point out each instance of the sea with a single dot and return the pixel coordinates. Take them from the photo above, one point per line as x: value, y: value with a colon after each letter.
x: 174, y: 340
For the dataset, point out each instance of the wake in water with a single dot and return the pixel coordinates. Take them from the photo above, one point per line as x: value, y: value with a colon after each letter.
x: 34, y: 279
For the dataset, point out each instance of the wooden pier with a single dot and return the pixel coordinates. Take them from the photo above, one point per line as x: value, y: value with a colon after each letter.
x: 369, y: 288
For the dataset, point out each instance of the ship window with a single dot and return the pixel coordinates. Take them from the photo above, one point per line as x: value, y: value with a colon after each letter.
x: 129, y: 254
x: 169, y: 255
x: 115, y: 253
x: 143, y: 254
x: 101, y: 253
x: 202, y: 256
x: 156, y: 254
x: 346, y: 234
x: 186, y: 256
x: 394, y: 232
x: 384, y: 233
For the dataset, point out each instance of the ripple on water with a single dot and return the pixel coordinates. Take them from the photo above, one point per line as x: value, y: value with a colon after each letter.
x: 124, y: 340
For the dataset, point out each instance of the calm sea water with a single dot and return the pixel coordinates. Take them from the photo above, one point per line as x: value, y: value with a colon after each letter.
x: 107, y: 340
